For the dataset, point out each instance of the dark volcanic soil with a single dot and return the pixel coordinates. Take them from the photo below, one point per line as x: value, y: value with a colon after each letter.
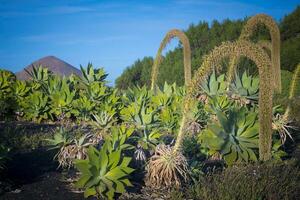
x: 34, y: 176
x: 48, y: 187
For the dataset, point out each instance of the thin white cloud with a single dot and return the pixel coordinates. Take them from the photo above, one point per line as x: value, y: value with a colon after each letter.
x: 216, y: 3
x: 68, y: 39
x: 68, y: 10
x: 41, y: 11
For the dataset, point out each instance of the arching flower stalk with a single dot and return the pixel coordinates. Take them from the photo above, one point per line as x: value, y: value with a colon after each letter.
x: 167, y: 161
x: 292, y: 92
x: 262, y: 61
x: 186, y: 56
x: 248, y: 31
x: 265, y: 45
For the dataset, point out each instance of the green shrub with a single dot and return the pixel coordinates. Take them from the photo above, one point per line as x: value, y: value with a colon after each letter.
x: 24, y: 137
x: 37, y: 107
x: 7, y: 101
x: 269, y: 180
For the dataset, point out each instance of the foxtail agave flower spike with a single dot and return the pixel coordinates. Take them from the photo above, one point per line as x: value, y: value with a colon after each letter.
x: 186, y: 54
x: 265, y: 45
x: 292, y: 92
x: 168, y: 164
x: 248, y: 31
x: 262, y: 61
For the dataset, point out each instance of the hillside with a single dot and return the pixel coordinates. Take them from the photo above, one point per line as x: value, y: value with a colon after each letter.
x: 54, y: 64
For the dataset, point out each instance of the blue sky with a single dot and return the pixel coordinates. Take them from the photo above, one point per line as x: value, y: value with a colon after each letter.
x: 110, y: 34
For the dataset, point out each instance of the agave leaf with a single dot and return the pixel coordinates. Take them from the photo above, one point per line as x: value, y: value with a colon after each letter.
x: 231, y: 157
x: 82, y: 181
x: 114, y: 158
x: 251, y: 132
x: 83, y: 166
x: 110, y: 194
x: 126, y: 182
x: 93, y: 158
x: 128, y: 170
x: 89, y: 192
x: 115, y: 173
x: 119, y: 186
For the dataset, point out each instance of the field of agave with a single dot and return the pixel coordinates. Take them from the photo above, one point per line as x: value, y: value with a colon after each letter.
x: 167, y: 134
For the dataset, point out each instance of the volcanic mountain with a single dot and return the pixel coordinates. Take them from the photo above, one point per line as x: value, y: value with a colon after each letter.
x: 54, y: 64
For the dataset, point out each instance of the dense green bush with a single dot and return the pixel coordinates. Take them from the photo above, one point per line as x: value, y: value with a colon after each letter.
x: 270, y: 180
x: 7, y: 100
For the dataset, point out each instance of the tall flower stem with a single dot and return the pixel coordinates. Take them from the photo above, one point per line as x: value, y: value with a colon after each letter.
x: 261, y: 59
x: 186, y: 56
x: 246, y: 34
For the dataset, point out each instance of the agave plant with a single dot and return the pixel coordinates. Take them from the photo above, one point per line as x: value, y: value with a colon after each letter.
x: 133, y: 94
x: 277, y: 152
x: 83, y: 108
x: 103, y: 121
x: 214, y: 85
x: 60, y: 140
x: 39, y: 76
x: 7, y: 79
x: 91, y: 75
x: 145, y: 119
x: 61, y: 99
x: 169, y: 119
x: 106, y: 114
x: 245, y: 89
x: 118, y: 138
x: 140, y: 113
x: 69, y: 148
x: 96, y: 92
x: 166, y: 96
x: 234, y: 135
x: 7, y: 103
x: 37, y: 107
x: 218, y: 103
x: 104, y: 172
x: 168, y: 103
x: 198, y: 117
x: 144, y: 116
x: 21, y: 90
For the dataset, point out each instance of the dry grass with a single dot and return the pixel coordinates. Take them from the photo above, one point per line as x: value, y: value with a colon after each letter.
x: 166, y: 168
x: 68, y: 154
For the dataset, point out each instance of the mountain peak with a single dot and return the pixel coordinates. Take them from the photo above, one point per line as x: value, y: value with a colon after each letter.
x: 54, y: 64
